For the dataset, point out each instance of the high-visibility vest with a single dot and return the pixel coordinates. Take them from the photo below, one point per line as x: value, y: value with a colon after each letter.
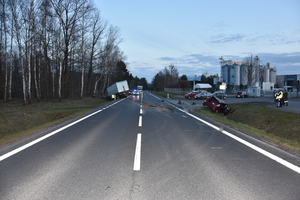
x: 280, y: 95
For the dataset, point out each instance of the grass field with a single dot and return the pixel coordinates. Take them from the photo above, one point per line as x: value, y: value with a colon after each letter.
x: 17, y: 121
x: 279, y: 127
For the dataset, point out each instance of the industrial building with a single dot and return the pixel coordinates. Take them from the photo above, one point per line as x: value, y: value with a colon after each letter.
x: 289, y: 82
x: 250, y: 73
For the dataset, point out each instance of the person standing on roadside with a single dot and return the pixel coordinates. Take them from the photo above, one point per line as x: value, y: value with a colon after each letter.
x: 279, y: 98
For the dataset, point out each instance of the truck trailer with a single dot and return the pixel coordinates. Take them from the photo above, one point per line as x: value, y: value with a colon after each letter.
x: 118, y: 90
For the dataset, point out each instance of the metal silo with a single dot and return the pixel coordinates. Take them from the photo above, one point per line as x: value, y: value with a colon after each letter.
x: 243, y: 74
x: 236, y: 77
x: 273, y: 75
x: 266, y: 74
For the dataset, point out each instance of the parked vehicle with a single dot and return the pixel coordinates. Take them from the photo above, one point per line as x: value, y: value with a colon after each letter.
x: 118, y: 90
x: 202, y: 95
x: 241, y: 95
x: 191, y: 94
x: 217, y: 105
x: 220, y: 95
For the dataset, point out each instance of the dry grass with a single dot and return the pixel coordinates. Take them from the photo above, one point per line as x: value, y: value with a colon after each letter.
x: 17, y: 121
x: 277, y: 126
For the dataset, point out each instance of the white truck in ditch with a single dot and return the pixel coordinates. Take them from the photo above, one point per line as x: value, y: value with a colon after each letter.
x: 118, y: 90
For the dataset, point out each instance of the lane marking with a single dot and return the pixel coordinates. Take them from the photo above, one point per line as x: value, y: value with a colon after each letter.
x: 141, y: 111
x: 137, y: 156
x: 11, y: 153
x: 248, y: 144
x: 140, y: 121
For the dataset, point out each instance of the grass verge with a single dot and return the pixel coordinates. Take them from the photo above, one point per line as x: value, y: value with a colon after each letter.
x: 17, y: 121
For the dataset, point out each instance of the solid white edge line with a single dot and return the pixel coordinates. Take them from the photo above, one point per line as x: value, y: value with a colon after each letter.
x: 7, y: 155
x: 137, y: 156
x: 140, y: 121
x: 248, y: 144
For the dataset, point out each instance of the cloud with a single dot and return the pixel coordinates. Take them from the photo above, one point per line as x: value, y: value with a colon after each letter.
x: 281, y: 58
x: 226, y: 39
x: 272, y: 39
x: 166, y: 58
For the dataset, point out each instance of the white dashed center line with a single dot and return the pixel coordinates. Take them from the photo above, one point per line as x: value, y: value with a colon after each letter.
x: 137, y: 157
x: 140, y: 121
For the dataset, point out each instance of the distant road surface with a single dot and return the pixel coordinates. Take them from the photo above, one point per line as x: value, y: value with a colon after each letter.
x: 144, y: 148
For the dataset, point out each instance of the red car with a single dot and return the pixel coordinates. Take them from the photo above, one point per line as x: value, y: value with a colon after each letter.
x: 217, y: 105
x: 191, y: 95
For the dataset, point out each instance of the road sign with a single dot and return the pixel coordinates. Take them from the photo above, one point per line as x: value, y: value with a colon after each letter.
x: 194, y: 78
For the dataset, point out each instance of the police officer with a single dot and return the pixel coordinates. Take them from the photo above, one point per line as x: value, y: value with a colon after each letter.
x: 279, y: 98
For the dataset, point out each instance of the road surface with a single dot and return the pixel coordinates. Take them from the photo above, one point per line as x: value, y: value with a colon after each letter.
x: 143, y: 147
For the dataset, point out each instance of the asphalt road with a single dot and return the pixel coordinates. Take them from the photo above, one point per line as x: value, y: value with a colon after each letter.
x: 143, y: 147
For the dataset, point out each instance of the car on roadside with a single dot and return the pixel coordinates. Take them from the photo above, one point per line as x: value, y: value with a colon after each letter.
x: 202, y: 95
x: 220, y: 95
x: 241, y: 94
x: 217, y: 105
x: 191, y: 94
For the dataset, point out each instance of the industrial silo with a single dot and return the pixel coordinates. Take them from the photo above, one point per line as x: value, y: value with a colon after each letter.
x: 231, y: 75
x: 225, y: 72
x: 273, y: 74
x: 243, y: 74
x: 266, y: 74
x: 236, y: 77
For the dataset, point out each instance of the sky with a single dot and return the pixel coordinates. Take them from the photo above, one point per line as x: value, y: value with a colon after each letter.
x: 193, y: 34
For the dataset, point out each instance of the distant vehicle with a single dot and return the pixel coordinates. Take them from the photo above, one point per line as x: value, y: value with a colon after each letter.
x: 241, y: 95
x: 217, y: 105
x: 135, y: 92
x: 202, y: 95
x: 220, y: 95
x: 191, y: 94
x: 140, y: 87
x: 118, y: 90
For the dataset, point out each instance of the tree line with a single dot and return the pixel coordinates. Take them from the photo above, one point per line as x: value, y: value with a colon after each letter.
x: 56, y: 49
x: 169, y: 78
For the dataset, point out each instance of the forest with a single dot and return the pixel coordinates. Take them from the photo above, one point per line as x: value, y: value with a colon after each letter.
x: 57, y: 49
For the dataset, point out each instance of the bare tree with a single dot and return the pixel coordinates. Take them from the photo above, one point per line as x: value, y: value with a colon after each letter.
x: 29, y: 43
x: 252, y: 69
x: 83, y: 54
x: 85, y: 25
x: 109, y: 58
x: 18, y: 21
x: 68, y: 13
x: 98, y: 28
x: 173, y: 73
x: 4, y: 47
x: 46, y: 39
x: 11, y: 61
x: 58, y: 48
